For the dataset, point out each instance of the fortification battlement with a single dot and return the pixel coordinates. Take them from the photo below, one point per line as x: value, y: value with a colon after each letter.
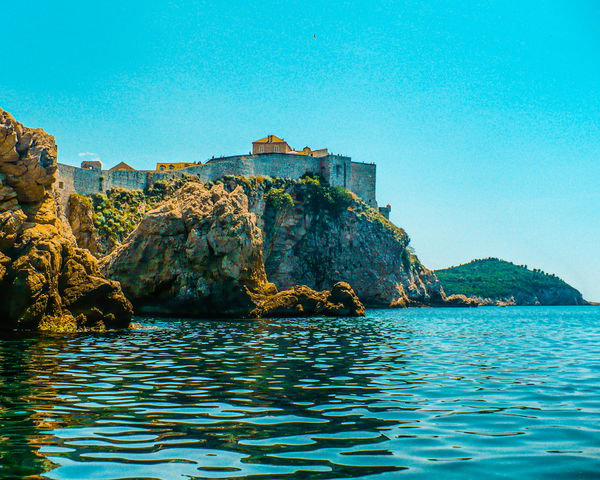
x: 338, y: 170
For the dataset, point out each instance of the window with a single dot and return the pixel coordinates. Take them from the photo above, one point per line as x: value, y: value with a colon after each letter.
x: 162, y: 168
x: 275, y: 148
x: 261, y: 149
x: 171, y: 167
x: 61, y: 185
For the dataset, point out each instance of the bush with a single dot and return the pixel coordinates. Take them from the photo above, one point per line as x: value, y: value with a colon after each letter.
x: 279, y: 199
x: 311, y: 177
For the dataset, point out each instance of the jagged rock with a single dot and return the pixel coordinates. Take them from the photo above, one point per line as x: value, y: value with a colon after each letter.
x: 200, y: 254
x: 459, y: 300
x: 197, y: 254
x: 80, y: 216
x: 309, y: 239
x: 302, y: 301
x: 45, y: 281
x: 317, y: 243
x: 28, y: 159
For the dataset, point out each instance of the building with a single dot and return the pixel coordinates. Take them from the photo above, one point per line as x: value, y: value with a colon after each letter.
x: 170, y: 166
x: 336, y: 170
x: 270, y: 144
x: 122, y: 166
x: 274, y: 144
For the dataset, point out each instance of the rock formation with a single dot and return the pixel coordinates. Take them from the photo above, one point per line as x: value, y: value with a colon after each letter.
x: 312, y: 235
x: 196, y: 254
x: 320, y: 236
x: 302, y: 301
x: 45, y: 281
x: 80, y: 216
x: 200, y: 254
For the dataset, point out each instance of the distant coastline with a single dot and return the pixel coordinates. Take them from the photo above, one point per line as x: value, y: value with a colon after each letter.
x: 492, y: 281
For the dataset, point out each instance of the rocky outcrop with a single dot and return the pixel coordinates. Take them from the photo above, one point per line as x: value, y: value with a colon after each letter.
x: 45, y: 281
x: 460, y: 301
x: 197, y: 254
x: 317, y: 236
x: 312, y: 235
x: 302, y: 301
x: 200, y: 254
x: 80, y: 216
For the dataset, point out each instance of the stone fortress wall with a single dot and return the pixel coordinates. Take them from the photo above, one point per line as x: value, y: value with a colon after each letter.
x: 338, y: 170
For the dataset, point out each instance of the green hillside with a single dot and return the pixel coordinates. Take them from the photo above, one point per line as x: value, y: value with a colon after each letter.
x: 498, y: 279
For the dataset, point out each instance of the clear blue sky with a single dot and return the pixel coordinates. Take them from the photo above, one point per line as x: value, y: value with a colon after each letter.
x: 482, y: 116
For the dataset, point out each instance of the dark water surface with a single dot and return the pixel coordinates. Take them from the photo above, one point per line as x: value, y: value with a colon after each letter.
x: 452, y: 393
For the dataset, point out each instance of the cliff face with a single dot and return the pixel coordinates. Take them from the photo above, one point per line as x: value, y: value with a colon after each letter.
x: 315, y: 235
x: 45, y: 281
x: 310, y: 234
x: 195, y: 254
x: 200, y: 254
x: 496, y: 282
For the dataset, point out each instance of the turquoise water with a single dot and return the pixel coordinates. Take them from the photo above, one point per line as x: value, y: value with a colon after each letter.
x: 400, y: 394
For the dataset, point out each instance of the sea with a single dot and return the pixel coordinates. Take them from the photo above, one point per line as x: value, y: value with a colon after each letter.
x: 399, y: 394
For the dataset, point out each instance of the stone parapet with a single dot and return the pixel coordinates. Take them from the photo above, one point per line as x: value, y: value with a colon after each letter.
x: 338, y: 170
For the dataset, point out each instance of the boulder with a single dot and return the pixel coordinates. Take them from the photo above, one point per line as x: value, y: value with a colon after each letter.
x: 302, y: 301
x: 80, y: 216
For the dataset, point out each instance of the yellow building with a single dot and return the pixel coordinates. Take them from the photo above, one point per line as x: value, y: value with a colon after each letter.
x: 270, y: 144
x: 169, y: 166
x: 274, y: 144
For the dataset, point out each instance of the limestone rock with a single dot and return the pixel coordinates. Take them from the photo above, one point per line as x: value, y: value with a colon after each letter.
x: 308, y: 244
x: 198, y: 254
x: 459, y: 300
x: 80, y: 216
x: 28, y: 159
x: 302, y: 301
x: 45, y: 281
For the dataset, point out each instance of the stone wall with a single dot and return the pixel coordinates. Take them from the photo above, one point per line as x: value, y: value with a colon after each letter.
x: 338, y: 170
x: 362, y: 181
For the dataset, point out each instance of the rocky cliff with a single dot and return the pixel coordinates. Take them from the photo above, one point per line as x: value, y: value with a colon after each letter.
x: 79, y: 216
x: 316, y: 235
x: 200, y: 254
x: 45, y: 281
x: 310, y: 234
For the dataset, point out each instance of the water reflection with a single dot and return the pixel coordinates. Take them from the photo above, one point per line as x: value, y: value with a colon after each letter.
x: 403, y: 394
x: 21, y: 387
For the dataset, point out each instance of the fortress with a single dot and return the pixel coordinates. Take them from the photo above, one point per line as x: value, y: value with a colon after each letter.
x: 271, y: 157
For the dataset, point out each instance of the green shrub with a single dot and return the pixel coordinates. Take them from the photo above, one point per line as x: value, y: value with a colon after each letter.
x: 279, y: 199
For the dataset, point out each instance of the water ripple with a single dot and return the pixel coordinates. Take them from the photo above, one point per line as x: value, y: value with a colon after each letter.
x: 399, y: 394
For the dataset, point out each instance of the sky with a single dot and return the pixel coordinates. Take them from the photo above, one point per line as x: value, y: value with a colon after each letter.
x: 483, y: 117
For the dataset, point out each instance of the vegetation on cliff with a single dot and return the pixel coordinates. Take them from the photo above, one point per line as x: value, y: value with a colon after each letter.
x: 314, y: 196
x: 499, y: 280
x: 317, y: 235
x: 118, y: 211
